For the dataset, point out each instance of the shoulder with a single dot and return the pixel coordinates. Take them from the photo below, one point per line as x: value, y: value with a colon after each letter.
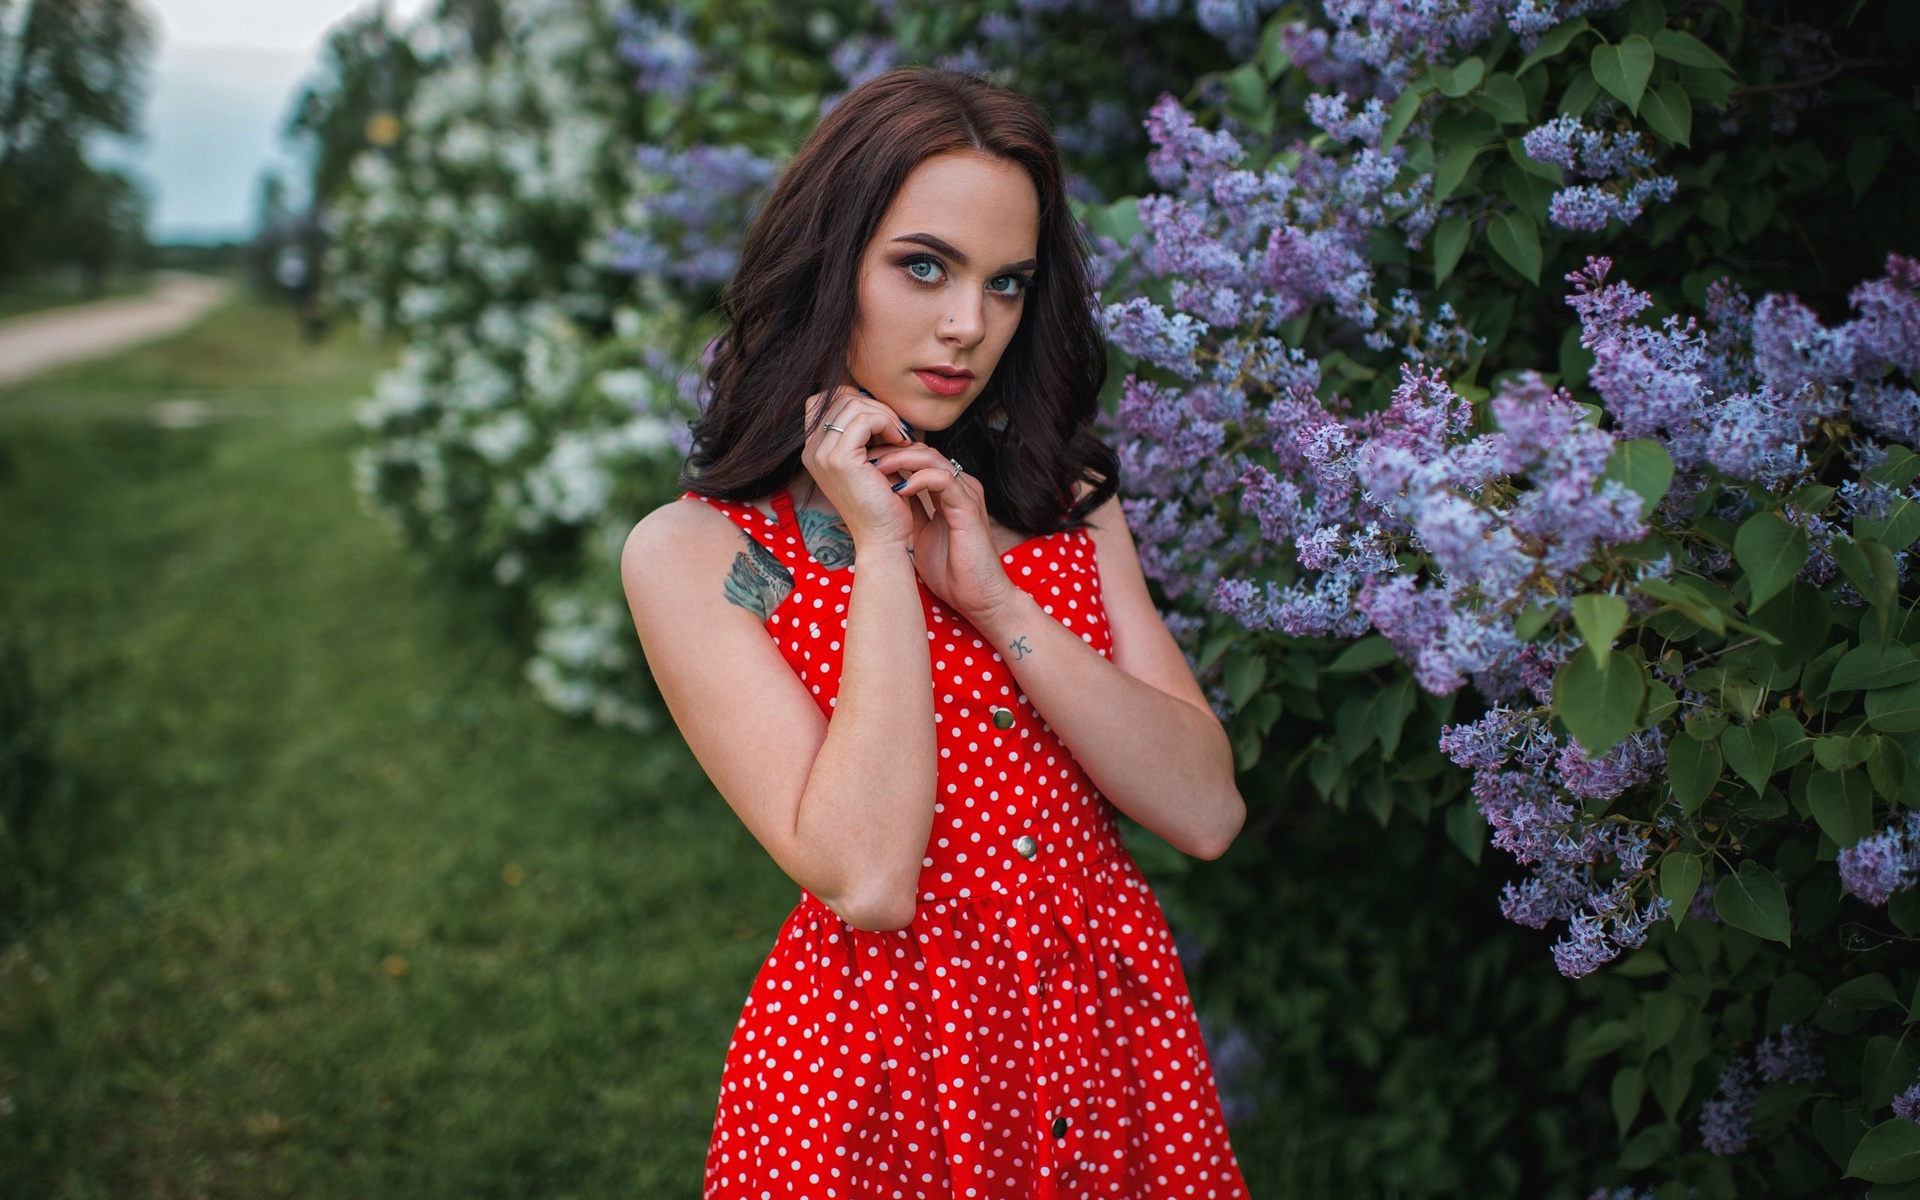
x: 682, y: 540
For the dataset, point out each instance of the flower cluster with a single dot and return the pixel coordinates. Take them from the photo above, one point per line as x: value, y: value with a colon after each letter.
x: 1590, y: 874
x: 684, y: 222
x: 1785, y: 1056
x: 1617, y: 161
x: 1371, y: 47
x: 1881, y: 864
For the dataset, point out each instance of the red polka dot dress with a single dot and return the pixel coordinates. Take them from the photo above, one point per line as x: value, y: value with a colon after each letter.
x: 1030, y: 1034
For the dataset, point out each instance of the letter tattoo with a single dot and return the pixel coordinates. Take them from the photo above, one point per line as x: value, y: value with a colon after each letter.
x: 1020, y: 648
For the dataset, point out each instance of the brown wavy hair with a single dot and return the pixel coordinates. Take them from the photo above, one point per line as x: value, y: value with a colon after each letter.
x: 791, y: 306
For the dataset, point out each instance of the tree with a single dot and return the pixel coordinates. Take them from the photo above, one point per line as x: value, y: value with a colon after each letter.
x: 70, y: 70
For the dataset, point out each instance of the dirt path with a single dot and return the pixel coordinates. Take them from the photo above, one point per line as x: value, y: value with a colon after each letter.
x: 42, y: 341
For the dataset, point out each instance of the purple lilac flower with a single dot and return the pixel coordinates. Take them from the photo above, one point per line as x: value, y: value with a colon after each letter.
x: 1725, y: 1120
x: 697, y: 203
x: 1907, y: 1104
x: 1788, y: 1056
x: 1884, y: 863
x: 1625, y: 1193
x: 666, y: 61
x: 1236, y: 1059
x: 1145, y: 330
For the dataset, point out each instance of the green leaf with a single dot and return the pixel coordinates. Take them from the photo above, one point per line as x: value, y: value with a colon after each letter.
x: 1897, y: 530
x: 1624, y: 69
x: 1459, y: 79
x: 1749, y: 750
x: 1898, y: 470
x: 1514, y: 239
x: 1873, y: 666
x: 1628, y: 1090
x: 1453, y: 169
x: 1771, y: 552
x: 1363, y: 655
x: 1406, y: 106
x: 1603, y: 1039
x: 1274, y: 58
x: 1582, y: 90
x: 1890, y: 1153
x: 1599, y: 620
x: 1391, y: 711
x: 1246, y: 88
x: 1679, y: 46
x: 1685, y: 601
x: 1669, y: 113
x: 1645, y: 467
x: 1865, y: 158
x: 1647, y: 1147
x: 1679, y: 881
x: 1865, y: 991
x: 1894, y: 709
x: 1467, y: 830
x: 1243, y: 675
x: 1450, y: 239
x: 1556, y: 39
x: 1503, y: 96
x: 1753, y: 900
x: 1842, y: 803
x: 1599, y: 704
x: 1693, y: 767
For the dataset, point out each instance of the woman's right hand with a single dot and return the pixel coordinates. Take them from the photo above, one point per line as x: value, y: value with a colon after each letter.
x: 838, y: 461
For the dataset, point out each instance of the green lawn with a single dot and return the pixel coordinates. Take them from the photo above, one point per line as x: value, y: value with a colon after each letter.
x: 327, y: 903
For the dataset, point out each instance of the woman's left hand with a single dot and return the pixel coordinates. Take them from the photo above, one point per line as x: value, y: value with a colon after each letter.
x: 953, y: 548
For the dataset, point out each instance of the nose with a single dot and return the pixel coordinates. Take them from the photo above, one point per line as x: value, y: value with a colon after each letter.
x: 966, y: 320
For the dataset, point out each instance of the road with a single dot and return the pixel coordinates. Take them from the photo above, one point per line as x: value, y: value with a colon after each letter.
x: 44, y: 340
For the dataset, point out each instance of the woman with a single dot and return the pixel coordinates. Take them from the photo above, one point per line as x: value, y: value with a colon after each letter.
x: 899, y: 619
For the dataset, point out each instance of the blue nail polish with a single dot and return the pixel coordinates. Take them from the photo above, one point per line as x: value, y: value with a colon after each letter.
x: 906, y: 429
x: 865, y: 392
x: 873, y: 462
x: 901, y: 484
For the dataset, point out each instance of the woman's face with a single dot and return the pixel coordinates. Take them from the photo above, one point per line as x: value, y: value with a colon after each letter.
x: 943, y: 284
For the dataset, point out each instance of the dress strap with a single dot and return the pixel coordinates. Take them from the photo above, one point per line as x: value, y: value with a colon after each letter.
x: 783, y: 507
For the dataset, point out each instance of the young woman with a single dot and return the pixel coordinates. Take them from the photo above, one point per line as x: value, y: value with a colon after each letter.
x: 899, y: 618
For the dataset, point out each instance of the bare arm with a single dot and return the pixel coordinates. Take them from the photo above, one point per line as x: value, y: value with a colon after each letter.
x: 844, y: 806
x: 1139, y: 724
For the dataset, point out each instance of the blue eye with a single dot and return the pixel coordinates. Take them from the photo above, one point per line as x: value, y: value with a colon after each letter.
x: 1010, y: 285
x: 931, y: 272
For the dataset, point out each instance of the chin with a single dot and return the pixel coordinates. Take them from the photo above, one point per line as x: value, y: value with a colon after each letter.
x: 933, y: 417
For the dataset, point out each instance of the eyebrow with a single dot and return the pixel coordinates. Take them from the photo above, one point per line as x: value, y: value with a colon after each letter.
x: 940, y: 244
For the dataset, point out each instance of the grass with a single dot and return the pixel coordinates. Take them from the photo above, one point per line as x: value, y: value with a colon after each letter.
x: 329, y: 904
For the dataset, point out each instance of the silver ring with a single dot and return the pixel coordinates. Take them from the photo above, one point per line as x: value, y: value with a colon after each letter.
x: 832, y: 426
x: 957, y: 468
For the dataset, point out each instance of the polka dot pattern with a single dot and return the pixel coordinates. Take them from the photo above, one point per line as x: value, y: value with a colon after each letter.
x: 1030, y: 1034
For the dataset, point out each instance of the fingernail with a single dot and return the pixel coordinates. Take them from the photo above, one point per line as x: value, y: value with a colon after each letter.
x: 865, y: 392
x: 901, y: 484
x: 906, y: 429
x: 873, y: 462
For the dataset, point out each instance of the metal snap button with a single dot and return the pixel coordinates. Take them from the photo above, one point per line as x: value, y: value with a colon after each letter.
x: 1002, y: 718
x: 1025, y: 846
x: 1059, y: 1127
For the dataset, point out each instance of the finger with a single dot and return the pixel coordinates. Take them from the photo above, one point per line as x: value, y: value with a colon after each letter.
x: 879, y: 423
x: 912, y: 457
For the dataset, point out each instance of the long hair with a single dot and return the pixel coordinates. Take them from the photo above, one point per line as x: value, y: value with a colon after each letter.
x: 791, y: 307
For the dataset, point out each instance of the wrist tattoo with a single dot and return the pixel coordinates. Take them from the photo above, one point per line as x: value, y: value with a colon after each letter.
x: 1020, y: 648
x: 758, y: 582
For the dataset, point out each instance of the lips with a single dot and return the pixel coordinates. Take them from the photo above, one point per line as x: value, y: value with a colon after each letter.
x: 944, y: 383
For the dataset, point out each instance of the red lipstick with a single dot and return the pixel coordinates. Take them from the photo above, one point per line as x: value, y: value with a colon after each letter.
x: 944, y: 381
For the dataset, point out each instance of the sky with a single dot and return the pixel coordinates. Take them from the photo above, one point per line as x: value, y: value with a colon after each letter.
x: 223, y: 81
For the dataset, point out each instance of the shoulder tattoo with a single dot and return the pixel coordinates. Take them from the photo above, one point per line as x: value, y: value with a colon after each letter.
x: 758, y: 582
x: 826, y: 538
